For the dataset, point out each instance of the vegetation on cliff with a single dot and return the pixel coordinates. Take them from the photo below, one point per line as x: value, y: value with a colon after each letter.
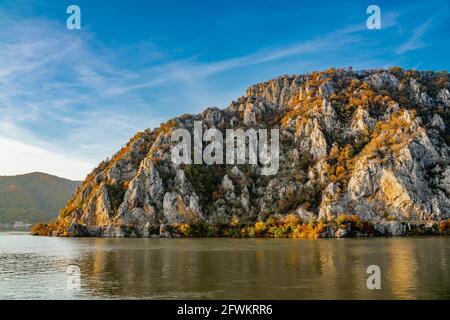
x: 371, y: 144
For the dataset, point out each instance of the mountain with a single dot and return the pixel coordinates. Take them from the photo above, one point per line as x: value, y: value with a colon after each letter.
x: 372, y: 145
x: 33, y: 197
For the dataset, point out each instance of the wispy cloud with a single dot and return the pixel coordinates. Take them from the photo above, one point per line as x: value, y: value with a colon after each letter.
x: 416, y: 40
x: 57, y: 95
x: 190, y: 69
x: 68, y: 99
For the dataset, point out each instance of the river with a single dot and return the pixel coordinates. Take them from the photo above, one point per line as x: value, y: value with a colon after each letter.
x: 104, y: 268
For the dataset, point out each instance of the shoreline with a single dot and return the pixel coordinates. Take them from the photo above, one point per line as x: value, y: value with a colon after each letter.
x: 281, y: 227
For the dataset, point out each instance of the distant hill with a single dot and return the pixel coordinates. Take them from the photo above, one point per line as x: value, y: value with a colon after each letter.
x: 33, y: 197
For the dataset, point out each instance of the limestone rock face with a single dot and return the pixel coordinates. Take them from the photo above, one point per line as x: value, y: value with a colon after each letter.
x: 371, y: 143
x: 390, y: 228
x: 312, y: 138
x: 384, y: 79
x: 362, y: 122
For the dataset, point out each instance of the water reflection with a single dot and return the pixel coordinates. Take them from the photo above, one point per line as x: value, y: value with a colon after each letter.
x: 225, y: 268
x: 402, y: 268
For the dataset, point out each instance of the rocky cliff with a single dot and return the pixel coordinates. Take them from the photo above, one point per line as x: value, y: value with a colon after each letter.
x: 371, y: 143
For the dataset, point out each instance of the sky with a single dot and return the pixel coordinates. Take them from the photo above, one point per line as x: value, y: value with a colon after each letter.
x: 72, y: 98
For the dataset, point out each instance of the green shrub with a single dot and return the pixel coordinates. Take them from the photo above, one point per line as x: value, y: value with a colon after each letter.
x: 251, y: 232
x: 116, y: 192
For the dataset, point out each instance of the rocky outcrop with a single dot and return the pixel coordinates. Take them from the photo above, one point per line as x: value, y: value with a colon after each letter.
x: 370, y: 143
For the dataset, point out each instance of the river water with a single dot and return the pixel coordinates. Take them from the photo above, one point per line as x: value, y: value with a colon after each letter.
x: 100, y: 268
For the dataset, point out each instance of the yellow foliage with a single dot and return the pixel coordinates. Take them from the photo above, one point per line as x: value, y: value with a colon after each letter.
x: 164, y: 128
x: 38, y: 229
x: 443, y: 225
x: 290, y: 220
x: 334, y: 152
x: 234, y: 221
x: 215, y: 195
x: 355, y: 84
x: 393, y: 134
x: 311, y: 230
x: 270, y: 222
x: 342, y: 218
x: 340, y: 170
x: 260, y: 227
x: 185, y: 229
x: 296, y: 234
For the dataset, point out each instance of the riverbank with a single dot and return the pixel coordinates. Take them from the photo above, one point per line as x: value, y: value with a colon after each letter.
x: 289, y: 226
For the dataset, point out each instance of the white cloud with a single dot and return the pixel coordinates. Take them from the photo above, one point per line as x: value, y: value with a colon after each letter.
x: 57, y: 99
x: 18, y: 158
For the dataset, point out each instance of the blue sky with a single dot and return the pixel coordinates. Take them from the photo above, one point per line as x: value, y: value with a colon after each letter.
x: 71, y: 98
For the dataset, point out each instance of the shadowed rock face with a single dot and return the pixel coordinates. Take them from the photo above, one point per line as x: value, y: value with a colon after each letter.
x: 372, y: 143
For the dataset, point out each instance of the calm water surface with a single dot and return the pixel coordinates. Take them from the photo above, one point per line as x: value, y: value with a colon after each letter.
x: 35, y: 268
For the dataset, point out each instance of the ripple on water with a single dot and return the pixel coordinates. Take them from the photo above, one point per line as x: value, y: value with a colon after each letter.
x: 35, y: 268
